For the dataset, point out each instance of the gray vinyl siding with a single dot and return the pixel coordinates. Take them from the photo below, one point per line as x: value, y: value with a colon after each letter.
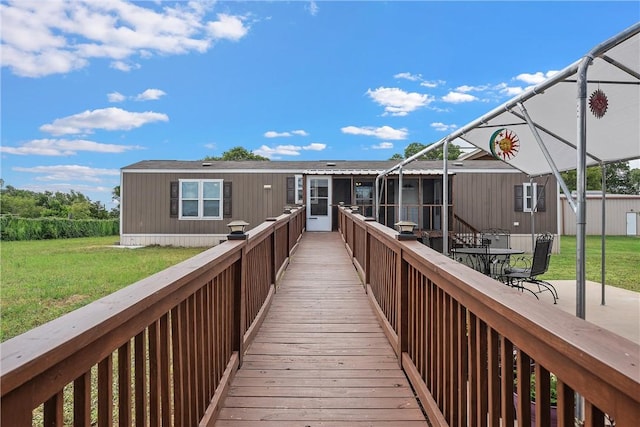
x: 145, y: 202
x: 487, y: 201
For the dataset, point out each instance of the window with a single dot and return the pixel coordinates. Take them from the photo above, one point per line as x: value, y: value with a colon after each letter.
x: 299, y: 188
x: 200, y: 199
x: 529, y: 196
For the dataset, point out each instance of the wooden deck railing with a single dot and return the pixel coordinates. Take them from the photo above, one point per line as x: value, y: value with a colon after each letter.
x: 464, y: 340
x: 159, y: 352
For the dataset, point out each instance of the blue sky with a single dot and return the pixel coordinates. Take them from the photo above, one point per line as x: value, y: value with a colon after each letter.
x: 90, y: 87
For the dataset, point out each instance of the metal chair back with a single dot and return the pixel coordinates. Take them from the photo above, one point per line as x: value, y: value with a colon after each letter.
x: 541, y: 254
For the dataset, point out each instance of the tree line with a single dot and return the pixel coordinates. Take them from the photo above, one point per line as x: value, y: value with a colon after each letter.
x: 72, y: 205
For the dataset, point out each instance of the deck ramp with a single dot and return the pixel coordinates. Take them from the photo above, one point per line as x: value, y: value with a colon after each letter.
x: 320, y: 357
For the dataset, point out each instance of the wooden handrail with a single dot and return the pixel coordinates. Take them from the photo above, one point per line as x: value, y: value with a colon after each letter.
x: 170, y: 342
x: 464, y: 338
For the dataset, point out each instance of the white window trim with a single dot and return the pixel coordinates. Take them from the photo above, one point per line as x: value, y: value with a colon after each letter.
x: 200, y: 200
x: 299, y: 194
x: 529, y: 201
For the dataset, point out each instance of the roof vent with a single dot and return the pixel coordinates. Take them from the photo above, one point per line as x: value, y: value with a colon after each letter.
x: 331, y: 164
x: 205, y: 164
x: 457, y: 163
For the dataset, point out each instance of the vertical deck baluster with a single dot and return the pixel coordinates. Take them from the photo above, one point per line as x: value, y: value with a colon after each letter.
x: 53, y: 410
x: 105, y: 392
x: 494, y: 378
x: 154, y: 374
x: 82, y: 400
x: 483, y: 383
x: 566, y: 402
x: 506, y: 380
x: 454, y: 361
x: 523, y: 377
x: 124, y: 384
x: 178, y: 365
x: 448, y: 358
x: 473, y: 370
x: 140, y: 362
x: 165, y: 372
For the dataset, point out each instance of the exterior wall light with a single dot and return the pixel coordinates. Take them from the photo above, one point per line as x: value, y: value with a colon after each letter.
x: 237, y: 230
x: 405, y: 229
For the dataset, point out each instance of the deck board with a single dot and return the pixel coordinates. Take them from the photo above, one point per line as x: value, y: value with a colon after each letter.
x: 320, y: 357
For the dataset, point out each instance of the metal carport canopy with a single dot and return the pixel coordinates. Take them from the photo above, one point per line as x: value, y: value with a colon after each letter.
x: 613, y: 133
x: 547, y: 129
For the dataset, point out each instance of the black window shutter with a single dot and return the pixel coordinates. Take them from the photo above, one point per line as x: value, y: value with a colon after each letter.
x: 227, y: 207
x: 173, y: 199
x: 542, y: 205
x: 517, y: 201
x: 291, y: 190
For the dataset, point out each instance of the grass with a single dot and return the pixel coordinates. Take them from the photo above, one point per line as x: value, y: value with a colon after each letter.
x: 622, y: 261
x: 44, y: 279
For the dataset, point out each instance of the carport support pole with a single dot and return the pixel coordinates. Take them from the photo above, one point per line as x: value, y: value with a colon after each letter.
x: 400, y: 194
x: 445, y: 198
x: 603, y: 236
x: 581, y: 215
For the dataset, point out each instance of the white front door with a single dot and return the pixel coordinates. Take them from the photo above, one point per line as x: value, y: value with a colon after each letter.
x: 318, y: 203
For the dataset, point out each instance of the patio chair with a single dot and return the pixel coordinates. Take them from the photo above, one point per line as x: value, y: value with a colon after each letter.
x: 497, y: 238
x: 524, y: 270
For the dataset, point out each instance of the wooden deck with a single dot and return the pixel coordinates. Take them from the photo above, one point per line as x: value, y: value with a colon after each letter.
x: 320, y: 357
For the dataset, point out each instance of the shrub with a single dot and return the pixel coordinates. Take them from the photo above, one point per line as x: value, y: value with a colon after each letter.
x: 17, y: 228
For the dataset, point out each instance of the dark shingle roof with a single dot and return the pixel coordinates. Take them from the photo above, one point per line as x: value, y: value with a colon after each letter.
x: 328, y: 167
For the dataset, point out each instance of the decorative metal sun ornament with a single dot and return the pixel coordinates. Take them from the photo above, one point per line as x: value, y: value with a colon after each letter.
x: 598, y: 103
x: 504, y: 144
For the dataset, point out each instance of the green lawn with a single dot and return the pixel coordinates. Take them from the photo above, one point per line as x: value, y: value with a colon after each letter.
x: 44, y: 279
x: 41, y: 280
x: 622, y: 261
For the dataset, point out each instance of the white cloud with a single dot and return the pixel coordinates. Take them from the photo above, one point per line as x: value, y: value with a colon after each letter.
x: 441, y: 127
x: 408, y: 76
x: 40, y: 38
x: 432, y: 84
x: 458, y: 97
x: 398, y: 102
x: 69, y: 173
x: 287, y: 150
x: 315, y: 146
x: 382, y: 146
x: 512, y: 91
x: 116, y: 97
x: 382, y: 132
x: 228, y: 27
x: 124, y: 66
x: 274, y: 134
x: 150, y: 95
x: 64, y: 147
x: 313, y: 8
x: 107, y: 118
x: 535, y: 78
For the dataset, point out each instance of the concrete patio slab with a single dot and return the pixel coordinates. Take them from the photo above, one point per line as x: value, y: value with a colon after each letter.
x: 620, y: 314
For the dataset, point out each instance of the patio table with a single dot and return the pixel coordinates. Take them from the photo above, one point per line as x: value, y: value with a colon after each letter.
x: 487, y: 256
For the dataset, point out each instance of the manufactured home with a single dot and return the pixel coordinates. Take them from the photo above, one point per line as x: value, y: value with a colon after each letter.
x: 190, y: 203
